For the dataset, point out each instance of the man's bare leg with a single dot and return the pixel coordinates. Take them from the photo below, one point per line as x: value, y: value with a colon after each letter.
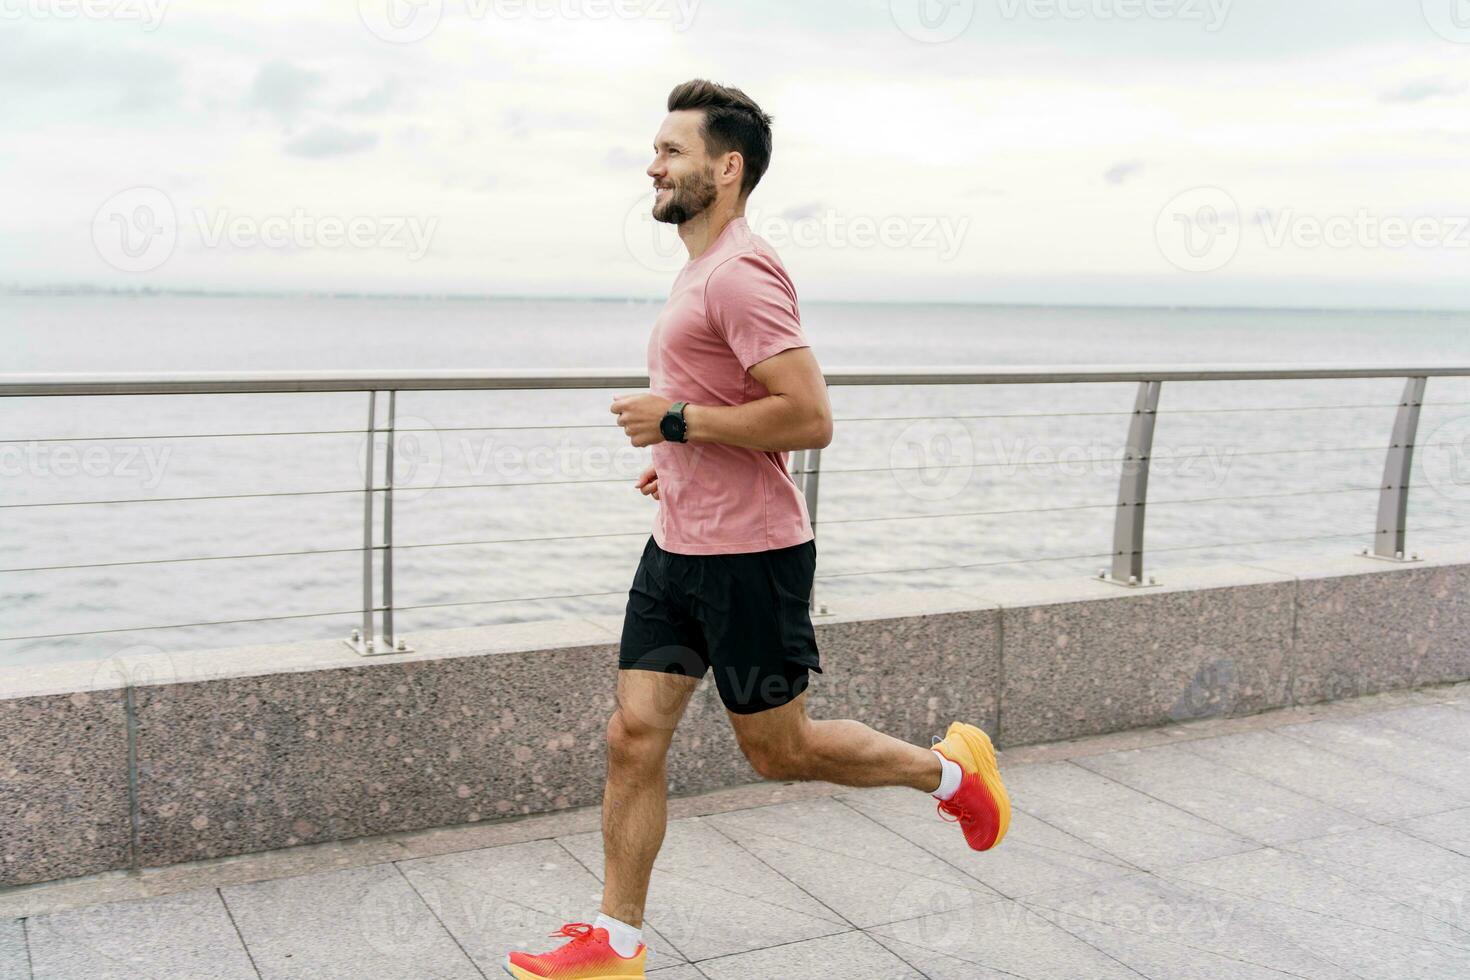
x: 635, y: 801
x: 783, y: 743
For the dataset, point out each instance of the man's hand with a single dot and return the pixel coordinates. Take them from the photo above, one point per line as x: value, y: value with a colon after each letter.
x: 639, y: 415
x: 648, y: 483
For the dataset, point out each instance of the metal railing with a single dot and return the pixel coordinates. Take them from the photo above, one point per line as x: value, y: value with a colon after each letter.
x: 378, y: 633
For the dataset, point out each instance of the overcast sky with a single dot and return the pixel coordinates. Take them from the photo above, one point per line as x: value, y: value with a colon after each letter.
x: 1255, y: 152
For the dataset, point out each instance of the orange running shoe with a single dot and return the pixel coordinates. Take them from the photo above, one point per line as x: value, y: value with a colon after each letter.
x: 589, y: 956
x: 981, y: 806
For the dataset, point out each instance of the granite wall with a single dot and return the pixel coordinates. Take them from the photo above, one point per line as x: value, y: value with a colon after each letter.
x: 150, y: 759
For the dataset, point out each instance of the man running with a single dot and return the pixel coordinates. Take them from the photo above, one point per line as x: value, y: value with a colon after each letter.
x: 726, y: 577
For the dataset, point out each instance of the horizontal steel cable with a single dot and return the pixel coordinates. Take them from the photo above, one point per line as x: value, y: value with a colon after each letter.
x: 176, y: 561
x: 619, y: 534
x: 310, y: 432
x: 315, y: 493
x: 190, y: 435
x: 605, y: 425
x: 323, y: 551
x: 973, y: 513
x: 1109, y: 554
x: 1089, y: 459
x: 1321, y: 537
x: 624, y: 479
x: 586, y: 595
x: 1123, y: 413
x: 488, y: 602
x: 179, y: 626
x: 981, y: 564
x: 1265, y: 496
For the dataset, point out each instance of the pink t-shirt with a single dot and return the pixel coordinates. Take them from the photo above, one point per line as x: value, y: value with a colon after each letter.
x: 732, y: 307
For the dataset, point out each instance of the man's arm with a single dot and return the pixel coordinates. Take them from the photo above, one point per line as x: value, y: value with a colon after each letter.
x: 795, y: 415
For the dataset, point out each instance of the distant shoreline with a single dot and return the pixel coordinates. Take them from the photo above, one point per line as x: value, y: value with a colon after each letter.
x: 150, y: 292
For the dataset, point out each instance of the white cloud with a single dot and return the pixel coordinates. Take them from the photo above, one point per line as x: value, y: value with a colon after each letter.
x: 330, y: 141
x: 283, y: 89
x: 1057, y: 142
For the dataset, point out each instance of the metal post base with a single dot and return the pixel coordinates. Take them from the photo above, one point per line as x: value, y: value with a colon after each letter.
x: 378, y: 646
x: 1398, y: 559
x: 1132, y: 583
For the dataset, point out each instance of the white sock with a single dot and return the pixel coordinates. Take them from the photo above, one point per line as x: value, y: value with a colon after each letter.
x: 949, y: 782
x: 623, y: 938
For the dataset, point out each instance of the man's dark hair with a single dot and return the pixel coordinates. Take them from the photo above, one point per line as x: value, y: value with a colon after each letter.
x: 732, y: 121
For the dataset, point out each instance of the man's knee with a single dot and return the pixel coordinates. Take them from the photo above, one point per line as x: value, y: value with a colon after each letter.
x: 632, y: 743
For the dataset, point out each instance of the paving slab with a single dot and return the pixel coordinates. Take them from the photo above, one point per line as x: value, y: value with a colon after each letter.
x: 345, y: 925
x: 1129, y: 825
x: 1151, y: 956
x: 1366, y: 739
x: 1278, y: 880
x: 14, y: 960
x: 513, y: 897
x: 999, y: 939
x: 853, y: 864
x: 696, y: 852
x: 1034, y: 856
x: 706, y: 916
x: 851, y: 956
x: 1251, y: 807
x: 1450, y: 829
x: 1363, y: 952
x: 185, y: 935
x: 1432, y: 880
x: 1353, y: 785
x: 1446, y: 724
x: 1163, y: 916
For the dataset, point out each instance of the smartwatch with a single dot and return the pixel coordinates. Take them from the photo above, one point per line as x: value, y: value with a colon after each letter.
x: 672, y: 425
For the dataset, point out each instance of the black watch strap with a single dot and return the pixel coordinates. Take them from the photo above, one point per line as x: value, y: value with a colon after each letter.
x: 677, y: 411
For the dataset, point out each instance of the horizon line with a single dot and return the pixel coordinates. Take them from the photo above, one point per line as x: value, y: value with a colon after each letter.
x: 15, y: 289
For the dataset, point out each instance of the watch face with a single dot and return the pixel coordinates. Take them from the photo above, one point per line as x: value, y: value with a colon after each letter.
x: 672, y: 428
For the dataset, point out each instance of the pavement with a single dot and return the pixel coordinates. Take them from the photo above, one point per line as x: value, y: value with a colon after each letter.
x: 1326, y: 841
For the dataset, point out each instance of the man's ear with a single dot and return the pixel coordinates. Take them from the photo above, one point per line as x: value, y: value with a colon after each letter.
x: 734, y: 165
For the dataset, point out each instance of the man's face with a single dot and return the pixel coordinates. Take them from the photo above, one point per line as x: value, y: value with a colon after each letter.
x: 682, y: 172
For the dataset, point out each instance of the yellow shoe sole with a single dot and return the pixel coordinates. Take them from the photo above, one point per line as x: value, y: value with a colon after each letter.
x: 971, y: 748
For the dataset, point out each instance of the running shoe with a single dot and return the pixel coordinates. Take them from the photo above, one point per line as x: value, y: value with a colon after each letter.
x: 587, y: 956
x: 980, y: 806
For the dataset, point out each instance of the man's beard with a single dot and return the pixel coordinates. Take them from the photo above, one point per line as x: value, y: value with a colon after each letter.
x: 687, y: 200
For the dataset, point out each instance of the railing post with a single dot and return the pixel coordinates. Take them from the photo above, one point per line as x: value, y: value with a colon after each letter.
x: 808, y: 475
x: 367, y: 640
x: 1390, y: 541
x: 390, y: 635
x: 362, y: 639
x: 1133, y: 490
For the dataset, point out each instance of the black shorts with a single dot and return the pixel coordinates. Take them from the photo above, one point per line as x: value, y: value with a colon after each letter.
x: 746, y: 615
